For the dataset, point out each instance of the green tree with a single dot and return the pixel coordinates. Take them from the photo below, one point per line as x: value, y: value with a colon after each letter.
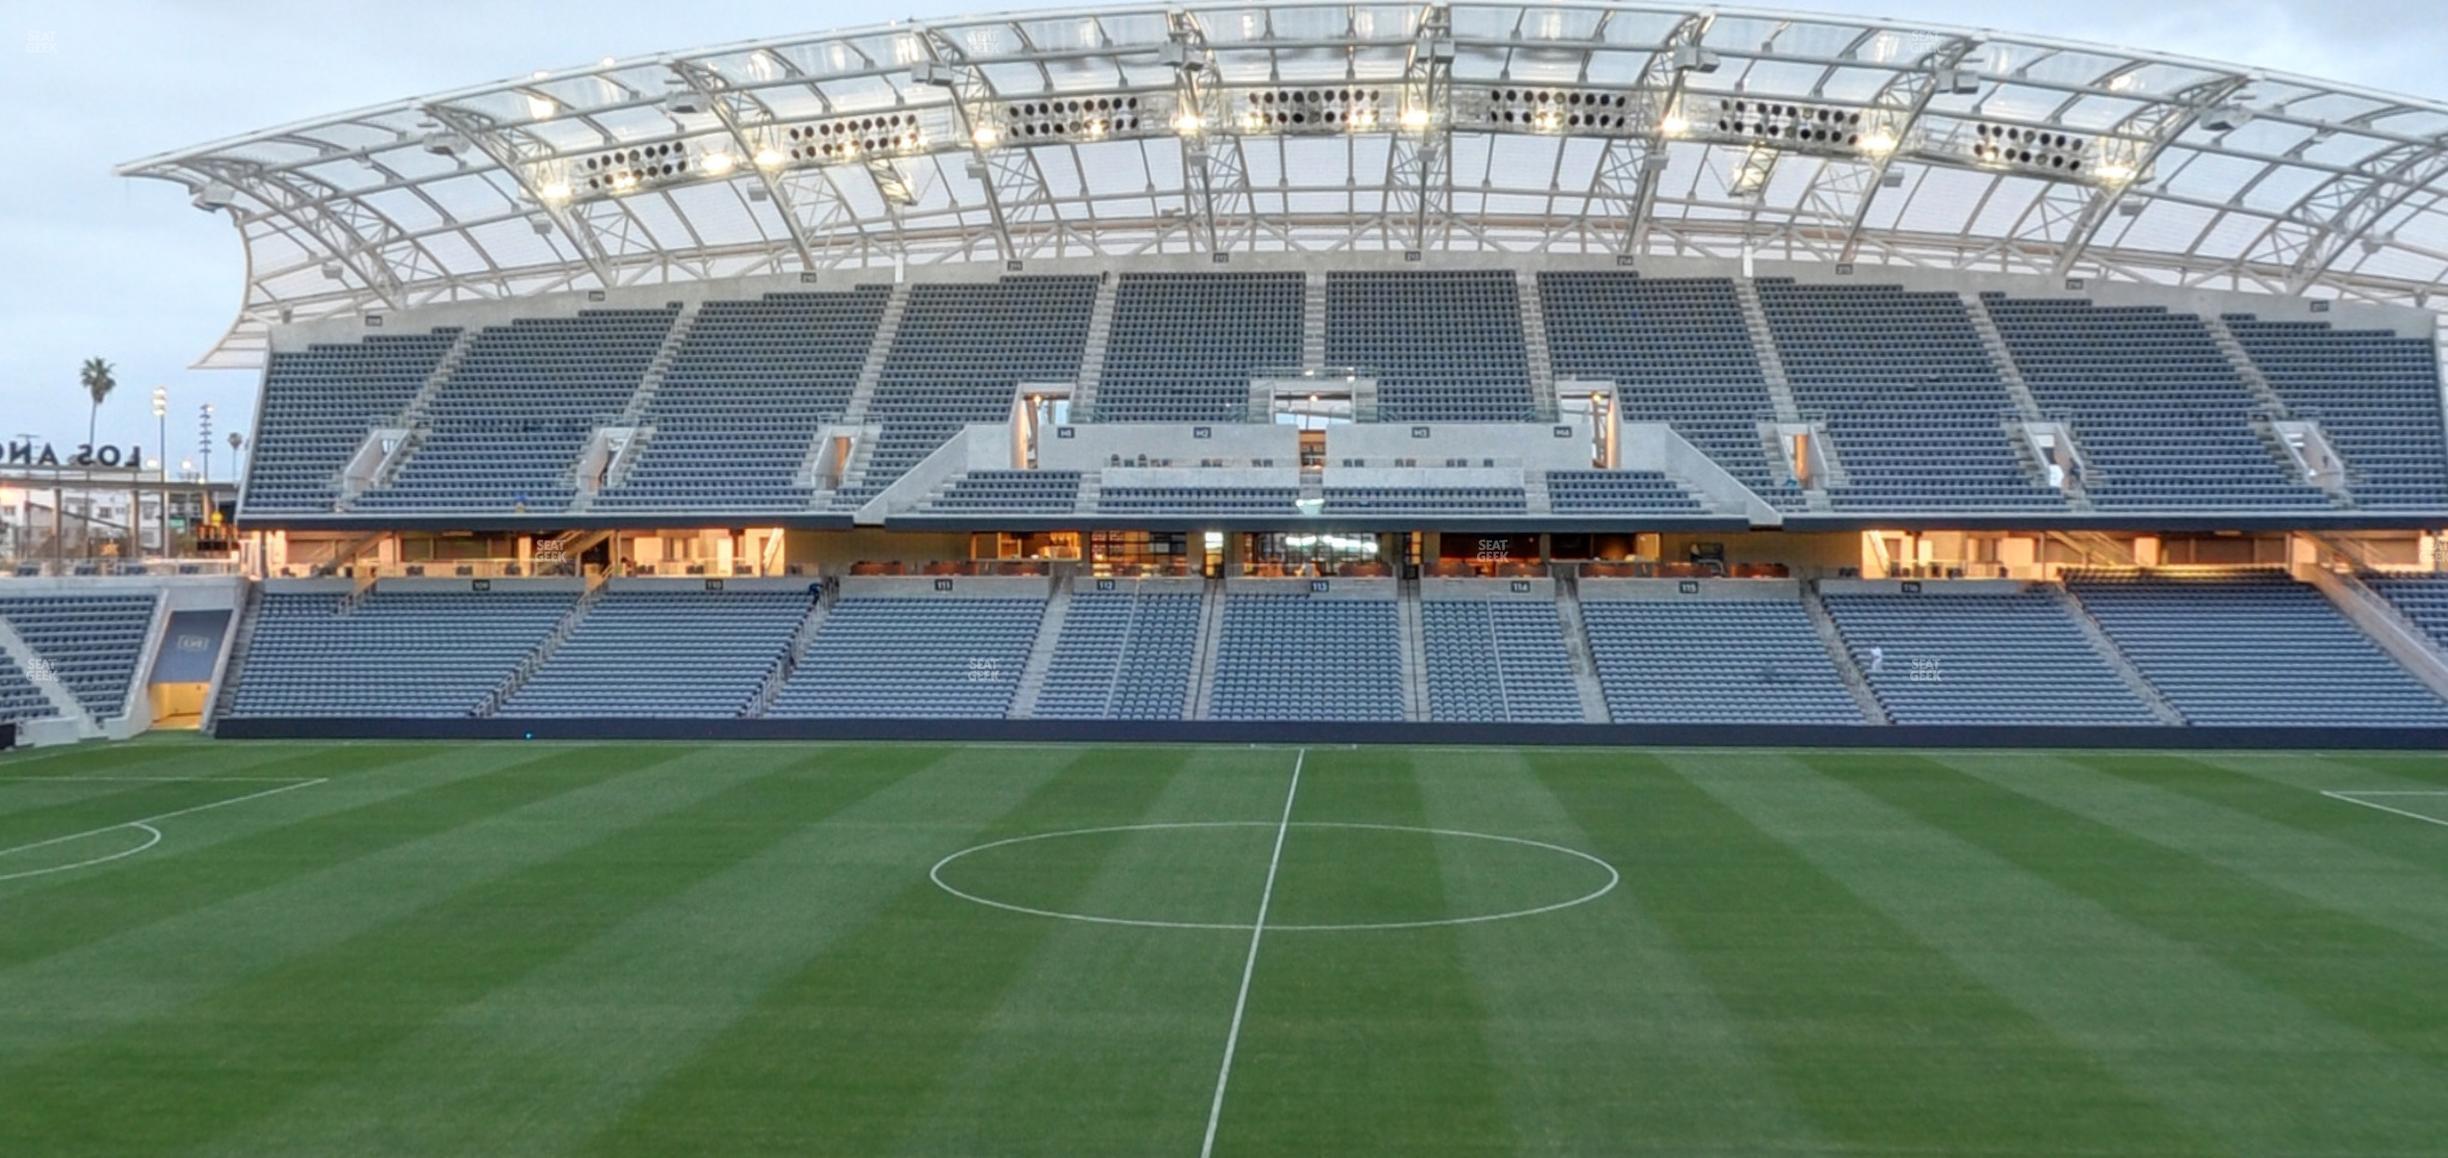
x: 98, y: 382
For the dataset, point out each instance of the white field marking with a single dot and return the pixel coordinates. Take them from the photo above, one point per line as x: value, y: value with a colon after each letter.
x: 1614, y: 878
x: 145, y: 824
x: 2357, y: 798
x: 151, y: 779
x: 1249, y: 966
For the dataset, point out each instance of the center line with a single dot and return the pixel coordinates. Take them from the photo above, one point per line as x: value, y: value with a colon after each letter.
x: 1249, y: 968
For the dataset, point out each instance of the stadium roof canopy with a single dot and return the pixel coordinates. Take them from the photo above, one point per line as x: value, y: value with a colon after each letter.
x: 1323, y: 127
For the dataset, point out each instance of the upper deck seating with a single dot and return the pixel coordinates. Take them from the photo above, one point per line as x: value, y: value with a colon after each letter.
x: 960, y: 356
x: 1184, y: 346
x: 2162, y: 419
x: 505, y: 432
x: 1678, y: 352
x: 320, y: 403
x: 742, y: 402
x: 2376, y: 397
x: 1907, y: 394
x: 1446, y: 345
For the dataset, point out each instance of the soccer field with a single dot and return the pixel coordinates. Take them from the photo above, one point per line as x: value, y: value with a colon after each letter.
x: 642, y: 949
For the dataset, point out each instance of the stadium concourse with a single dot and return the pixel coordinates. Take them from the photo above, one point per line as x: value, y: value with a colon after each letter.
x: 1431, y: 372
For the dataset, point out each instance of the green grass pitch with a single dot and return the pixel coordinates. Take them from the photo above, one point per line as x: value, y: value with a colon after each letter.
x: 660, y: 949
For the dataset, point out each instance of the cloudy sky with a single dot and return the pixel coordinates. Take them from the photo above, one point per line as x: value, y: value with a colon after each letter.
x: 94, y: 265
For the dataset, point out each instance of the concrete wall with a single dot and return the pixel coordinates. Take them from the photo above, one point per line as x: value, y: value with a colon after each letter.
x: 1090, y: 445
x: 1772, y: 590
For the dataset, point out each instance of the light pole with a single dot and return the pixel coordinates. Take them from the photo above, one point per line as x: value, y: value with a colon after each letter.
x: 161, y: 451
x: 204, y: 437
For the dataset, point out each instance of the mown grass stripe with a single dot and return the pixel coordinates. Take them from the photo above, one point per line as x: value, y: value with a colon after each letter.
x: 2244, y: 1064
x: 2225, y: 786
x: 545, y: 806
x: 840, y: 1057
x: 1368, y: 1042
x: 1135, y: 1014
x: 267, y: 1039
x: 2352, y: 970
x: 1889, y: 1046
x: 1610, y: 1042
x: 64, y: 912
x: 537, y: 1066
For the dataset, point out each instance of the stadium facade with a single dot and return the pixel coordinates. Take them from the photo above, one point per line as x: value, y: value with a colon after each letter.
x: 1354, y: 371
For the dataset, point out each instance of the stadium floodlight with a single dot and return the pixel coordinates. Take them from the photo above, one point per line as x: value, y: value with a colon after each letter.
x: 1189, y: 123
x: 1879, y: 141
x: 2227, y: 118
x: 1693, y: 58
x: 624, y: 182
x: 1361, y: 120
x: 718, y: 163
x: 986, y: 135
x: 2115, y: 171
x: 1547, y: 120
x: 1674, y: 123
x: 1416, y: 119
x: 769, y: 158
x: 554, y: 192
x: 540, y: 107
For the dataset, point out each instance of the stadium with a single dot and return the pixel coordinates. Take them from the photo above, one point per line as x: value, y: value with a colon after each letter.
x: 1767, y: 583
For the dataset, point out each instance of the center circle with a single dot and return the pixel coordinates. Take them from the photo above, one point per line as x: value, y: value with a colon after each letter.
x: 1500, y: 859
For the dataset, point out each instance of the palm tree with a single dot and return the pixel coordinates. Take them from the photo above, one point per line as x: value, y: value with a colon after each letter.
x: 96, y: 377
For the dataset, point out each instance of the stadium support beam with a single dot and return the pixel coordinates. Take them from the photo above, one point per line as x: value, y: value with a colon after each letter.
x: 1905, y: 97
x: 345, y: 231
x: 518, y: 163
x: 2353, y: 209
x: 1005, y: 173
x: 1215, y: 175
x: 736, y: 110
x: 2156, y: 126
x: 1661, y: 84
x: 1419, y: 186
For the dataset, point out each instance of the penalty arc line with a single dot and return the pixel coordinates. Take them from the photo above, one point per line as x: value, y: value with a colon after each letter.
x: 1249, y: 966
x: 147, y: 824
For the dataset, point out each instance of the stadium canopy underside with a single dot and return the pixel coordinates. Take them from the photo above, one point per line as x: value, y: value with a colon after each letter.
x: 1586, y: 129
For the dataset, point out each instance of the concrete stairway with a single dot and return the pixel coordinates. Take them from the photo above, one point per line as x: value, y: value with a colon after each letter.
x: 1577, y: 648
x: 888, y: 328
x: 800, y: 639
x: 1413, y: 648
x: 1534, y: 344
x: 1203, y: 661
x: 2126, y: 671
x: 2001, y: 356
x: 1764, y: 348
x: 1041, y: 653
x: 1092, y: 351
x: 1833, y: 640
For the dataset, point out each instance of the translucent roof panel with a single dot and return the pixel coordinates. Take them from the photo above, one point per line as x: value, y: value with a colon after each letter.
x: 1144, y: 127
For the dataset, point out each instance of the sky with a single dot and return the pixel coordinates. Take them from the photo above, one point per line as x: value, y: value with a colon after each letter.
x: 95, y: 265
